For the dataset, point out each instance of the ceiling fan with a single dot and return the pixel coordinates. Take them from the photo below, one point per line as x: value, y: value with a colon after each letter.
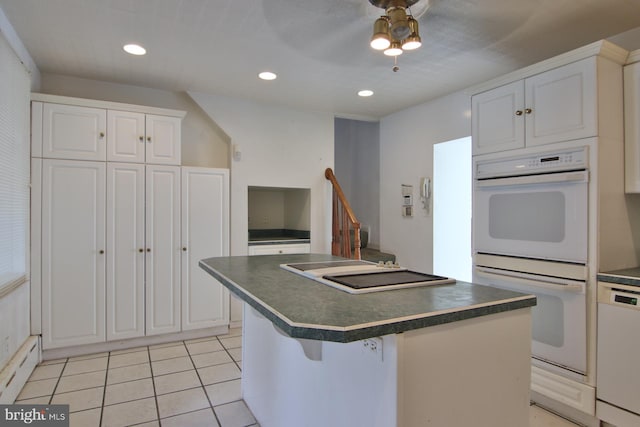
x: 338, y: 31
x: 396, y: 31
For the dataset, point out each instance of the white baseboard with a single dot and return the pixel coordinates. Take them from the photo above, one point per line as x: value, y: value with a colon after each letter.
x: 15, y: 374
x: 79, y: 350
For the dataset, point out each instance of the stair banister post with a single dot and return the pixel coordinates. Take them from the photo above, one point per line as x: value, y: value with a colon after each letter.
x: 341, y: 242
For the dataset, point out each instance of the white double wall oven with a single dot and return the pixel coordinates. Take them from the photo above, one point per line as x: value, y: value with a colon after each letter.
x: 530, y: 234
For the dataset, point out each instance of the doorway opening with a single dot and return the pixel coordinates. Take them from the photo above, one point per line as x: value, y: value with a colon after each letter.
x: 452, y: 209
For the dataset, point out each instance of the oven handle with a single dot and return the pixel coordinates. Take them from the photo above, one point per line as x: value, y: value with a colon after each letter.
x: 549, y: 283
x: 576, y: 176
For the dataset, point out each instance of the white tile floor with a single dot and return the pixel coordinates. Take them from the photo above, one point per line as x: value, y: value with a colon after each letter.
x: 183, y: 384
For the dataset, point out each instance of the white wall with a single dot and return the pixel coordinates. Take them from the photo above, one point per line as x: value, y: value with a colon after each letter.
x: 203, y: 143
x: 296, y: 215
x: 406, y: 154
x: 279, y: 148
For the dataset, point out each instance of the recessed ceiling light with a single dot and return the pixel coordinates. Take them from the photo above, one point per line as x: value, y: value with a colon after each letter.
x: 365, y: 93
x: 134, y: 49
x: 267, y: 75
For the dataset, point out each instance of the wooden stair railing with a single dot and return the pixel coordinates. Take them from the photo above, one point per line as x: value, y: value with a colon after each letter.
x: 343, y: 220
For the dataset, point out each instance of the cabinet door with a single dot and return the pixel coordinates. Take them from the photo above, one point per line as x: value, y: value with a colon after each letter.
x: 125, y: 249
x: 125, y: 136
x: 497, y: 121
x: 72, y: 132
x: 562, y: 103
x: 73, y: 253
x: 632, y: 128
x: 205, y: 233
x: 163, y: 140
x: 162, y: 249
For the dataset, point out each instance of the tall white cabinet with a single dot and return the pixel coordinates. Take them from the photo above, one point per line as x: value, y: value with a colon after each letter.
x: 163, y: 250
x: 205, y: 225
x: 73, y: 252
x: 119, y: 226
x: 126, y: 259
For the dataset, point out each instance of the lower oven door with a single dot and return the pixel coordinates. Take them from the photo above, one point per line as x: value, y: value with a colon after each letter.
x: 559, y: 328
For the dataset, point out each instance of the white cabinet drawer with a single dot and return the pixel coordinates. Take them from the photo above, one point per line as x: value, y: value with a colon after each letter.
x: 294, y: 248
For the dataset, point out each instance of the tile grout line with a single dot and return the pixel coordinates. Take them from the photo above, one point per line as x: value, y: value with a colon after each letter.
x: 153, y: 383
x: 53, y: 392
x: 202, y: 385
x: 229, y: 354
x: 104, y: 388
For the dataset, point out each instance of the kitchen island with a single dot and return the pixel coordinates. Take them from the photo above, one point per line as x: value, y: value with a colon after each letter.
x: 444, y: 355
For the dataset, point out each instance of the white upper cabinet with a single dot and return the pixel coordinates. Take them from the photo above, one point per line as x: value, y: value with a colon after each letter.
x: 551, y: 106
x: 560, y: 105
x: 143, y: 138
x: 72, y: 132
x: 497, y: 119
x: 82, y: 129
x: 126, y: 136
x: 162, y: 140
x: 632, y: 123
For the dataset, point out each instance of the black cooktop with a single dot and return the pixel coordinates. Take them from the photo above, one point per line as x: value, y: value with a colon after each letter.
x: 387, y: 278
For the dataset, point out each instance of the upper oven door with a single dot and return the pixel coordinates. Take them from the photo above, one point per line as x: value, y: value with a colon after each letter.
x: 537, y: 216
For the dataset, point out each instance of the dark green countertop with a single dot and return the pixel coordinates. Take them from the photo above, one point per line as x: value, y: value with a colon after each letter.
x: 304, y: 308
x: 628, y: 276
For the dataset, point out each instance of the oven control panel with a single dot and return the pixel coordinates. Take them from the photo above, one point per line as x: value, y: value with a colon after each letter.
x: 569, y: 159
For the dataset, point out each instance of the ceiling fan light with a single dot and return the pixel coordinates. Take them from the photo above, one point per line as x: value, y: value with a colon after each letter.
x: 411, y: 43
x: 394, y: 50
x: 380, y: 39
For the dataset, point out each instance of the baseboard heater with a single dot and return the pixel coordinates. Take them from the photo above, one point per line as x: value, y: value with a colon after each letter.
x: 15, y: 374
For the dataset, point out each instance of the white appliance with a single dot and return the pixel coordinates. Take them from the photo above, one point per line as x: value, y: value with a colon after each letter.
x: 530, y: 224
x: 618, y: 377
x: 533, y: 206
x: 558, y: 321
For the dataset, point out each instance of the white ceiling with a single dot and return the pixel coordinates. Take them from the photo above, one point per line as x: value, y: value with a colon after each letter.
x: 318, y: 48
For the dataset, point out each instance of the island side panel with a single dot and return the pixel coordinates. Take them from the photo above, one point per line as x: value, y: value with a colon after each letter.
x: 348, y: 387
x: 475, y: 372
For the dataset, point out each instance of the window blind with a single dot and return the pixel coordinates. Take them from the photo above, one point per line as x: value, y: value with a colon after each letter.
x: 14, y: 167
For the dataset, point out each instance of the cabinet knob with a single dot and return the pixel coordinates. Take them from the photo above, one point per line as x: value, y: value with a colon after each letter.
x: 101, y: 134
x: 148, y: 139
x: 184, y: 249
x: 528, y: 110
x: 518, y: 112
x: 141, y: 139
x: 148, y: 249
x: 101, y: 251
x: 140, y: 250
